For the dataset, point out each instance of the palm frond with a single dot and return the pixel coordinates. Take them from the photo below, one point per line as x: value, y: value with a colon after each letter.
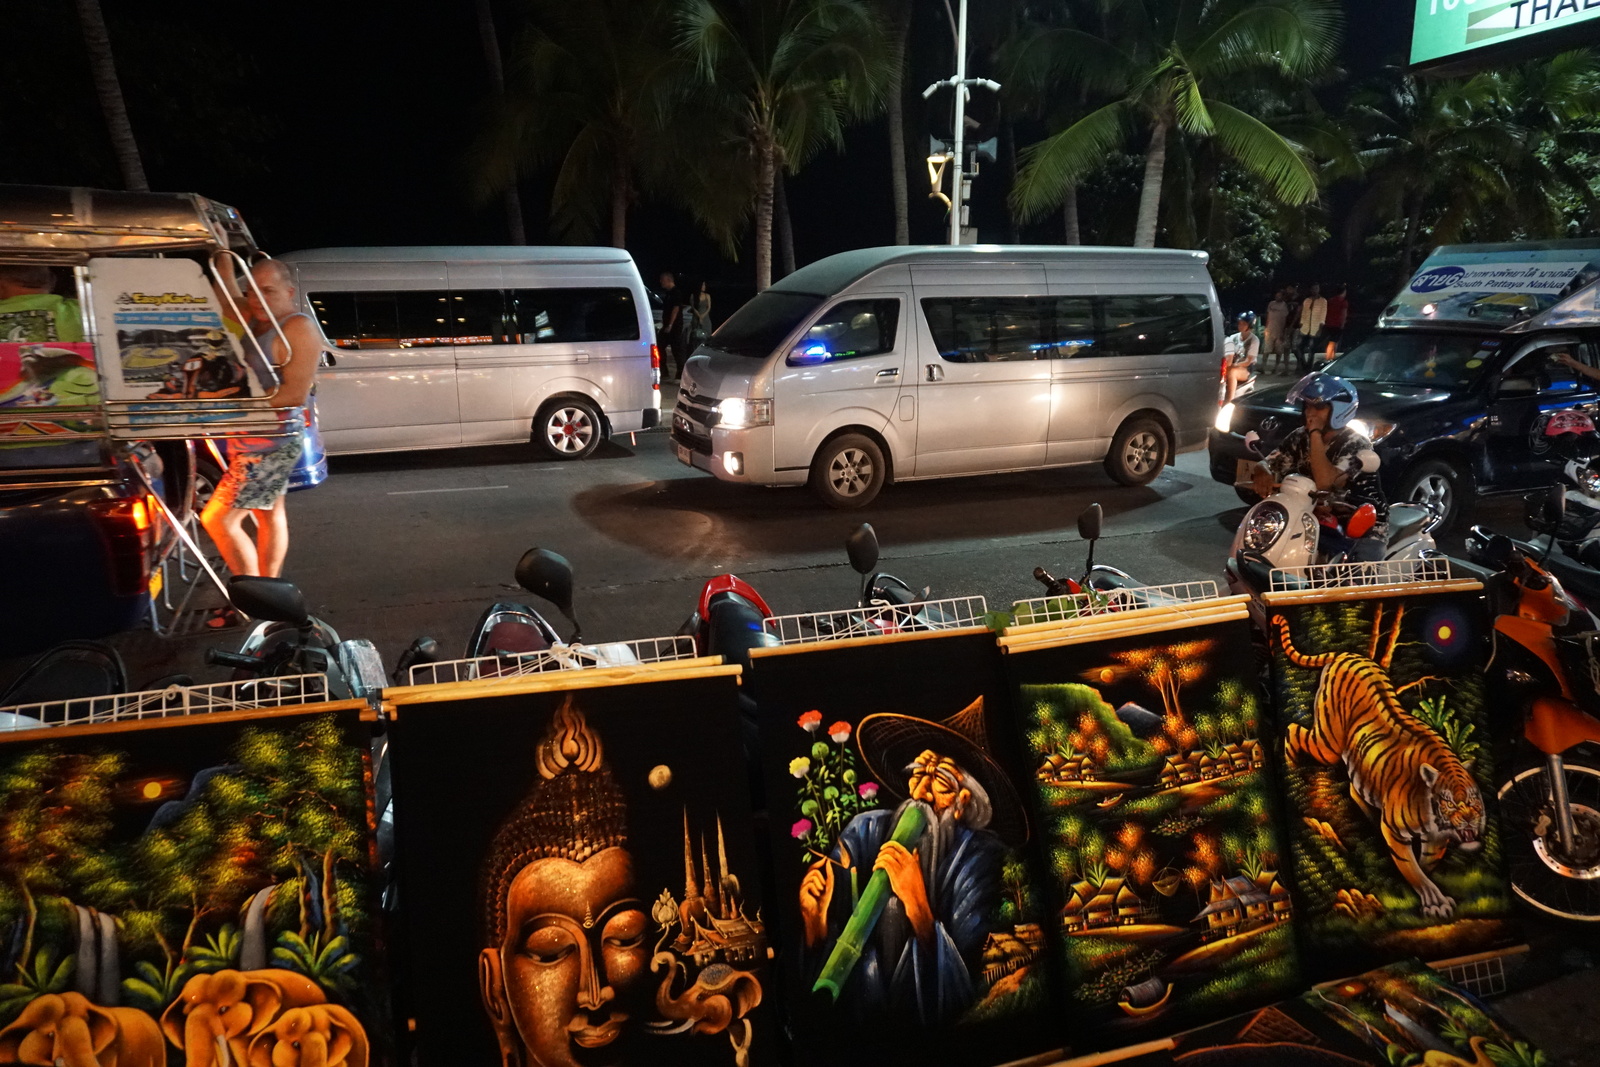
x: 1063, y: 159
x: 1264, y: 153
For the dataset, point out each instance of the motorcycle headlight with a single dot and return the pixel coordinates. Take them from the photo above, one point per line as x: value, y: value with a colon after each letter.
x: 737, y: 413
x: 1225, y: 418
x: 1264, y: 525
x: 1589, y: 480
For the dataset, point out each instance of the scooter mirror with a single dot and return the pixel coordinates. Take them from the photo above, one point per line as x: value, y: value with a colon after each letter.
x: 1252, y: 443
x: 862, y: 548
x: 1089, y: 522
x: 272, y: 599
x: 548, y: 575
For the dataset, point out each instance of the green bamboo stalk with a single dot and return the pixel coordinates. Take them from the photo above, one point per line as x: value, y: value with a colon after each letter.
x: 868, y: 910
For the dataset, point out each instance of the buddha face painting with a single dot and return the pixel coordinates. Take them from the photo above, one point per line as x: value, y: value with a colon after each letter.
x: 566, y: 957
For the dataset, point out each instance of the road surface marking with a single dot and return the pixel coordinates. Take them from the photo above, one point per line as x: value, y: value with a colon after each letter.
x: 453, y: 489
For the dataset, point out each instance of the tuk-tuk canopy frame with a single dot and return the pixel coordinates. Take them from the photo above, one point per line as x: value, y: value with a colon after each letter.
x: 69, y: 225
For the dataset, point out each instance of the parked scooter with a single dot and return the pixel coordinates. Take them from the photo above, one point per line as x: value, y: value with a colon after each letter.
x: 1545, y: 648
x: 728, y: 620
x: 515, y: 639
x: 888, y: 604
x: 1096, y: 577
x: 288, y: 640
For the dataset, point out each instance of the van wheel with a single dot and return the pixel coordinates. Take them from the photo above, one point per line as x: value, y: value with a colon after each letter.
x: 1138, y: 452
x: 568, y: 429
x: 848, y: 471
x: 1440, y: 486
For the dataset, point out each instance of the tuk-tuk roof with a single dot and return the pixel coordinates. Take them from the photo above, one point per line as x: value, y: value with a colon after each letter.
x: 69, y: 225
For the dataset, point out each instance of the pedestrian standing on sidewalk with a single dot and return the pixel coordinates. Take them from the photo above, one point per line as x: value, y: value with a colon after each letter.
x: 1276, y: 349
x: 674, y: 334
x: 700, y: 316
x: 1313, y: 311
x: 1338, y: 315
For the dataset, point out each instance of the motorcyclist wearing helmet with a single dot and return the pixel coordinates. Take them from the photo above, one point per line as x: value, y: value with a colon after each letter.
x: 1325, y: 448
x: 1241, y: 350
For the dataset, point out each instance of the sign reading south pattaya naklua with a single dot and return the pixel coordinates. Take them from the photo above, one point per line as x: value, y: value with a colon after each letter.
x: 1444, y: 28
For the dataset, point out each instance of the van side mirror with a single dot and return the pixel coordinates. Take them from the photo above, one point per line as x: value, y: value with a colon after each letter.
x: 548, y: 576
x: 862, y: 548
x: 1089, y: 522
x: 271, y: 599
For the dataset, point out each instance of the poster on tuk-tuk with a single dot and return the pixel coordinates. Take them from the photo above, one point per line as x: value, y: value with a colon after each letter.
x: 165, y: 348
x: 48, y: 392
x: 910, y: 898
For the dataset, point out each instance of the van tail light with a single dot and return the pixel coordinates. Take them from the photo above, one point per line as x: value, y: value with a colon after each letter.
x: 126, y: 530
x: 655, y: 367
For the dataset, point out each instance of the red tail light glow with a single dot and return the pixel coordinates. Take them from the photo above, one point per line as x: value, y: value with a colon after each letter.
x: 124, y: 527
x: 655, y: 367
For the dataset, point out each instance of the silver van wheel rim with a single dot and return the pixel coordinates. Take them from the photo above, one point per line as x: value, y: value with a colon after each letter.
x: 569, y: 430
x: 1433, y: 493
x: 1142, y: 452
x: 850, y: 472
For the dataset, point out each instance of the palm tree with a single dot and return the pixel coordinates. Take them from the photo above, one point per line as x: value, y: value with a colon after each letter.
x: 97, y: 43
x: 492, y: 58
x: 1171, y: 65
x: 783, y: 77
x: 590, y: 96
x: 896, y: 18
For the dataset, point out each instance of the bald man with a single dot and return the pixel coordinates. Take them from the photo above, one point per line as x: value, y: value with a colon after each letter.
x: 259, y: 467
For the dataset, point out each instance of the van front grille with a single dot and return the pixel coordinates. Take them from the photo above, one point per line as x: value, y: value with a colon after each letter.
x: 697, y: 409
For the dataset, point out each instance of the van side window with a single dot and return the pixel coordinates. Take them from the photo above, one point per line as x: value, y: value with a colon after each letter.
x: 410, y: 319
x: 1155, y: 325
x: 850, y: 330
x: 567, y: 316
x: 988, y: 329
x: 478, y: 317
x: 1075, y: 335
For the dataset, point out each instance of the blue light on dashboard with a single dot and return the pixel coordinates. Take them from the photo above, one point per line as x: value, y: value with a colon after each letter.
x: 813, y: 354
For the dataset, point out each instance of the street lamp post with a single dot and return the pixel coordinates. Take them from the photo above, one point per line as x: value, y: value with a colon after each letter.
x: 960, y: 179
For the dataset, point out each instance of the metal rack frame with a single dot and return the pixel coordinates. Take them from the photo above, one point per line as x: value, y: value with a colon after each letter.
x: 1361, y: 575
x: 559, y: 658
x: 174, y: 701
x: 1101, y: 602
x: 878, y: 620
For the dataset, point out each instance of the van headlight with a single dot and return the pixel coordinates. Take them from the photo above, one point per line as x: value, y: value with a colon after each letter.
x: 1225, y: 417
x: 737, y: 413
x: 1264, y: 525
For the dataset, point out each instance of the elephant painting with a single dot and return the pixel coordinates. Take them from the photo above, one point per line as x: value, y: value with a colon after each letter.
x: 322, y: 1035
x: 66, y: 1030
x: 217, y: 1016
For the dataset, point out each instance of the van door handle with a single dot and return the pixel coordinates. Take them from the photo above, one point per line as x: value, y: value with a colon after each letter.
x: 935, y: 373
x: 892, y: 372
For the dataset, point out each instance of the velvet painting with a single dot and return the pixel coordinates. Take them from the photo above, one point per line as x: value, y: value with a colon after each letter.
x: 907, y: 885
x: 1381, y: 730
x: 1155, y: 811
x: 190, y: 891
x: 578, y: 877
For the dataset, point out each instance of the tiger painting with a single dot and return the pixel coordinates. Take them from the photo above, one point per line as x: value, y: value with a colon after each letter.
x: 1402, y: 775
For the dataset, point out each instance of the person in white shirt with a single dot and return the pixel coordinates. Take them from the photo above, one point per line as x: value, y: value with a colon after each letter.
x: 1313, y: 311
x: 1277, y: 331
x: 1241, y: 350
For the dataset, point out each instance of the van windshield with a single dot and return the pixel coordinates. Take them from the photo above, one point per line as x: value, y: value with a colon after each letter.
x: 759, y: 327
x: 1433, y: 360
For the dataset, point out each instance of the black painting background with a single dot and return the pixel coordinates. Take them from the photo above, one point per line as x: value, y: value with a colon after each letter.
x: 460, y: 767
x: 931, y: 678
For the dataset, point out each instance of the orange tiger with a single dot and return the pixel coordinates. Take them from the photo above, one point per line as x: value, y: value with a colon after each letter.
x: 1402, y: 775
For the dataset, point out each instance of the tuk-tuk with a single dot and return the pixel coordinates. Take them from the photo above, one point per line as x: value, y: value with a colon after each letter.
x: 120, y: 347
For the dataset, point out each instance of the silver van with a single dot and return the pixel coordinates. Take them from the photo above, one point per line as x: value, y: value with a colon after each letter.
x: 903, y: 363
x: 438, y: 347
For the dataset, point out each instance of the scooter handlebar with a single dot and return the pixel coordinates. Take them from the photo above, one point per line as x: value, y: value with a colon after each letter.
x: 216, y: 657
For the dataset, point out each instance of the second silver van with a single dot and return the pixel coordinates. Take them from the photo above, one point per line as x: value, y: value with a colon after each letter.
x: 903, y: 363
x: 438, y: 347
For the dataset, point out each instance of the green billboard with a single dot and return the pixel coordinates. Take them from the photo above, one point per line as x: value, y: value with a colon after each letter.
x: 1448, y: 28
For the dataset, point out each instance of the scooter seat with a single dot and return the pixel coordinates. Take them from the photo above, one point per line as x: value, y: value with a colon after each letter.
x: 1407, y: 520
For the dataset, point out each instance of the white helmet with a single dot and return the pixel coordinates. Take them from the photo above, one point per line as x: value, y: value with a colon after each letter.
x: 1319, y: 387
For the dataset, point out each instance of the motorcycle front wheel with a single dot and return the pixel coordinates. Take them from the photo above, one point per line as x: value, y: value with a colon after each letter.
x: 1566, y: 885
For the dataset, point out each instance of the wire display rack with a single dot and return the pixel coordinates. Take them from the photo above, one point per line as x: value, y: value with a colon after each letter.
x: 178, y: 700
x: 1109, y: 602
x: 559, y: 658
x: 1359, y: 575
x: 1484, y: 977
x: 878, y: 620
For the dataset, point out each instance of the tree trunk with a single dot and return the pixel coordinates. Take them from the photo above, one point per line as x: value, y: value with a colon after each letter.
x: 899, y: 39
x: 765, y: 168
x: 619, y: 209
x: 1413, y: 227
x: 31, y: 909
x: 97, y: 43
x: 780, y: 205
x: 330, y: 900
x: 1155, y: 165
x: 1072, y: 235
x: 1008, y: 152
x: 497, y: 77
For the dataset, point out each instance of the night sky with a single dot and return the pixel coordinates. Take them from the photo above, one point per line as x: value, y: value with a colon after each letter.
x: 346, y: 123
